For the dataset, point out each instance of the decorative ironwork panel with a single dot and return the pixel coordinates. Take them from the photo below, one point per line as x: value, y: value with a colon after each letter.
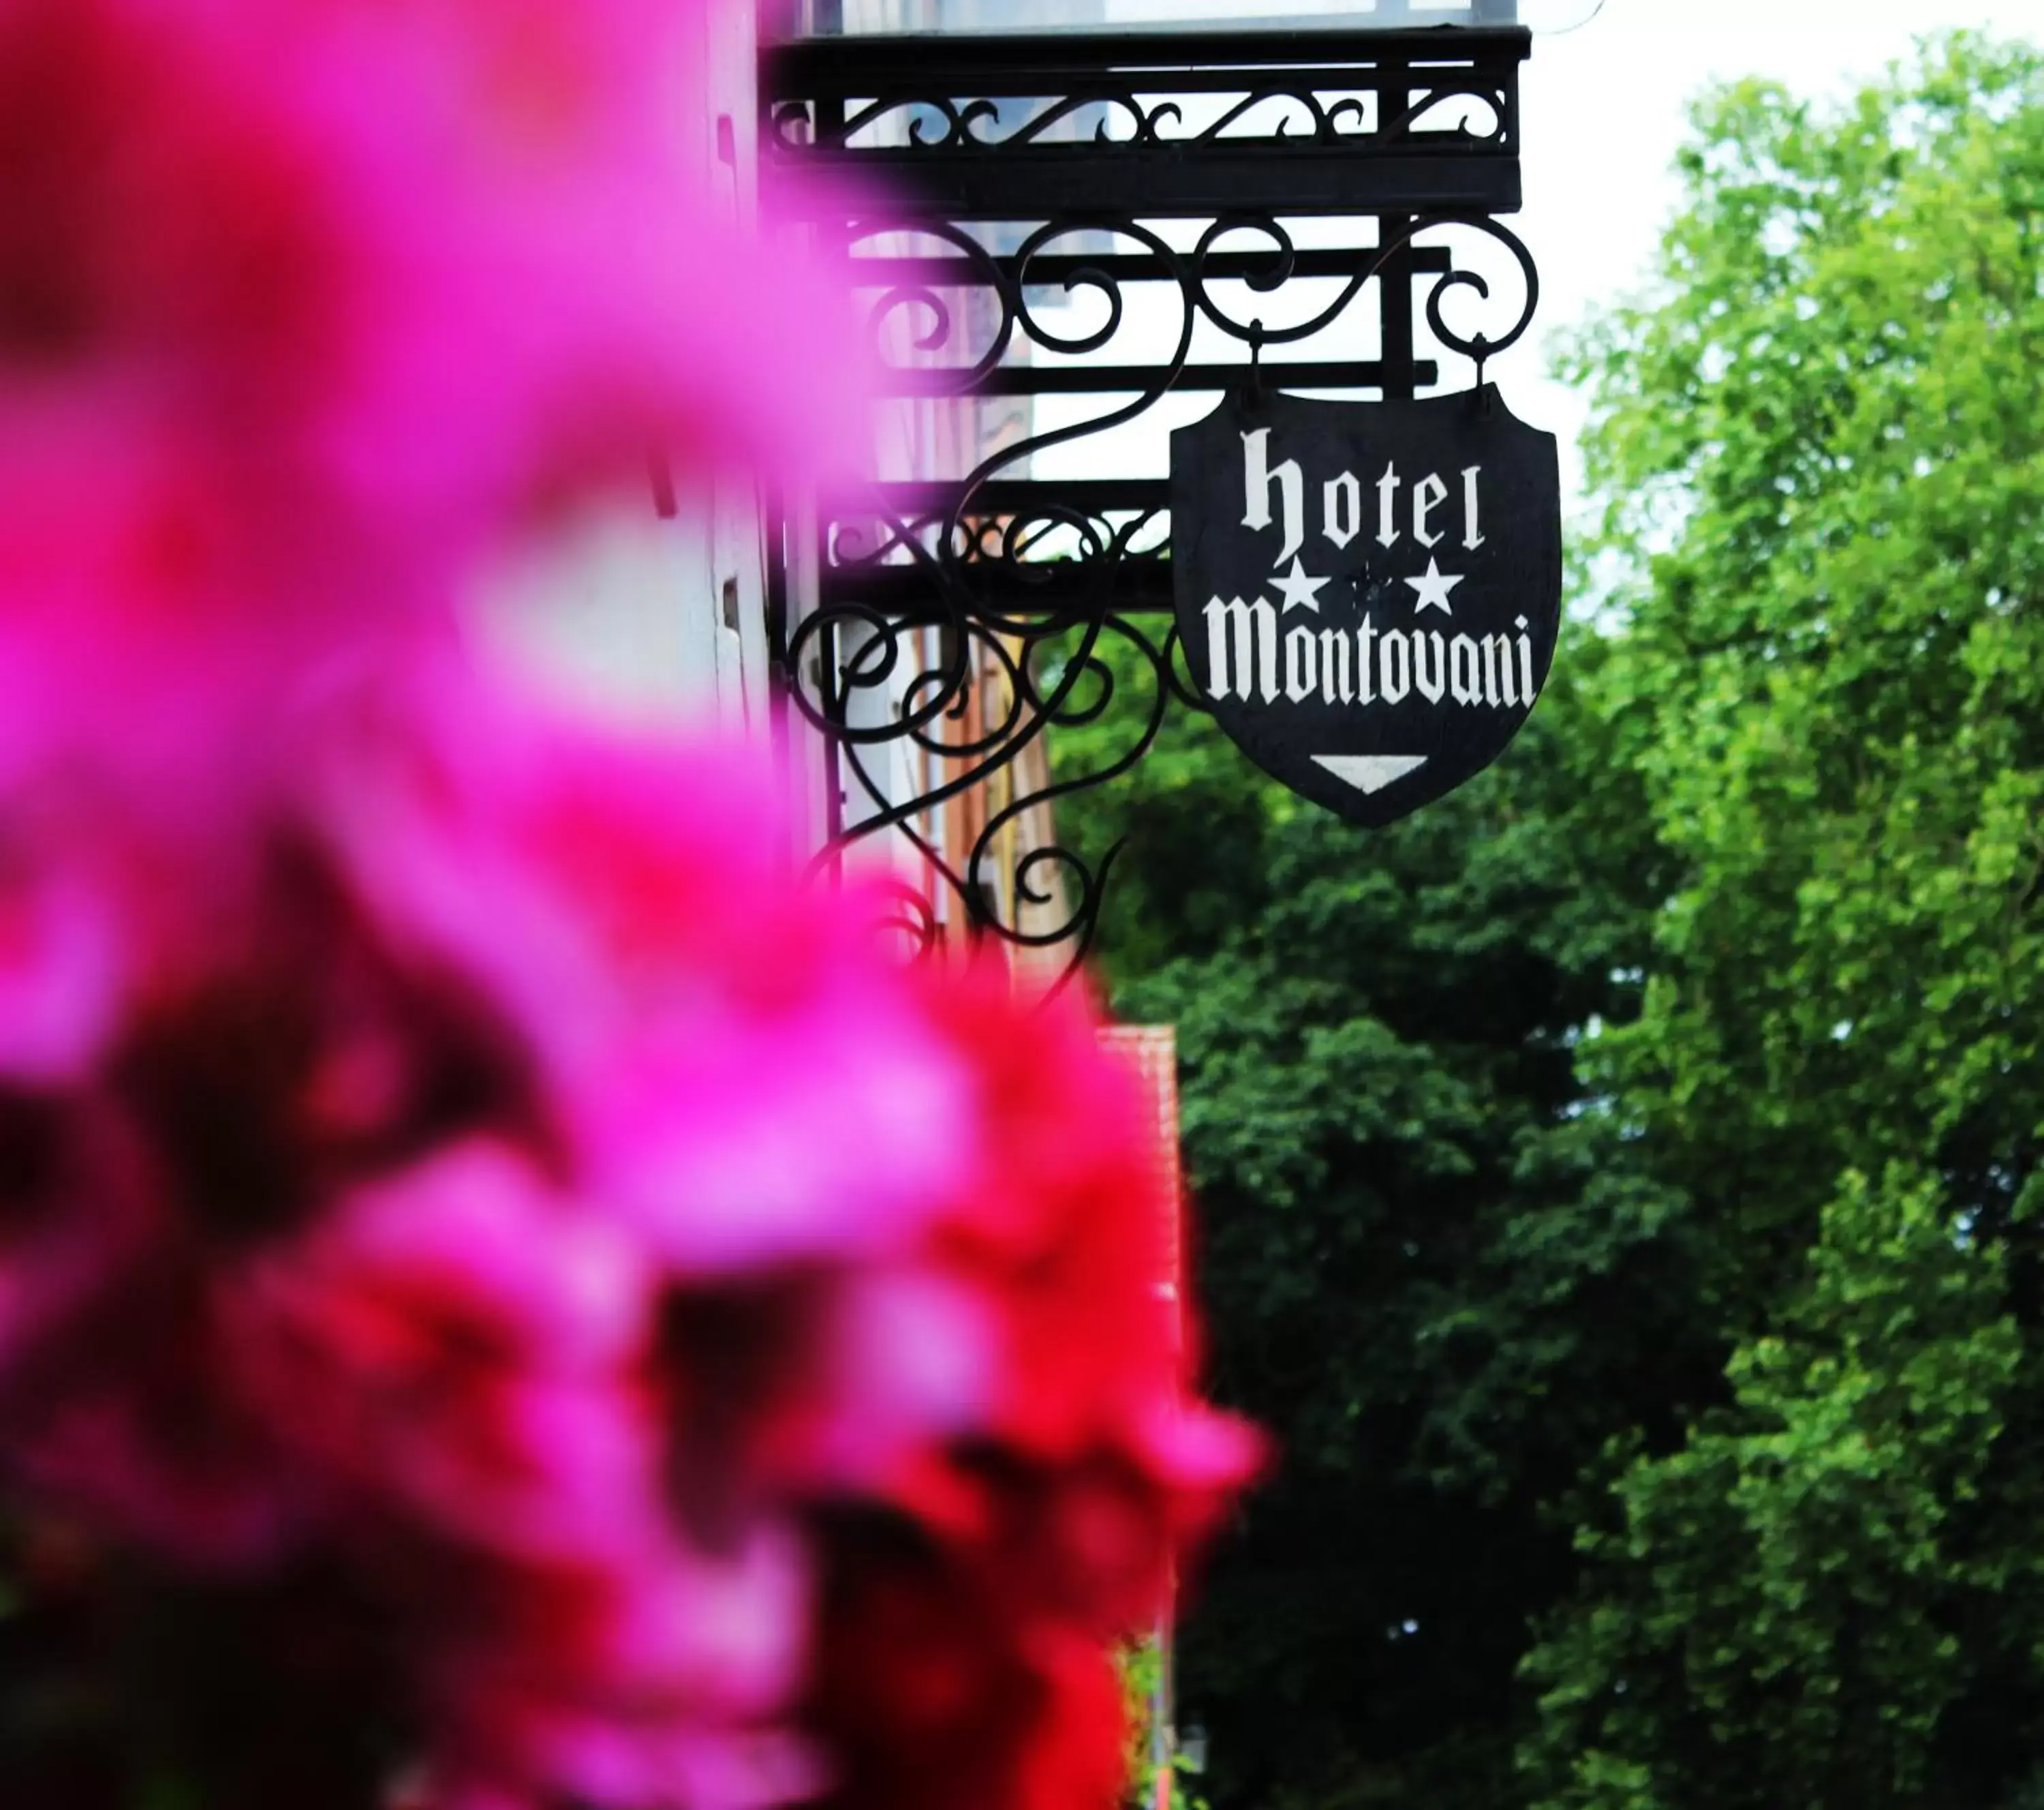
x: 1096, y: 234
x: 998, y: 128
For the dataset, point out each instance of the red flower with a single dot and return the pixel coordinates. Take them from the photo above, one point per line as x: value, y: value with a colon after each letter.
x: 493, y: 1273
x: 457, y: 1346
x: 929, y: 1694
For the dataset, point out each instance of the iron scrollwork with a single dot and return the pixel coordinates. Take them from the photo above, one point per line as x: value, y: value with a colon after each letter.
x: 1250, y: 201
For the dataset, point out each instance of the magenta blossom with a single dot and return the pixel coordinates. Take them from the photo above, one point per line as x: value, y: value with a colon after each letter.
x: 306, y: 306
x: 507, y: 1300
x: 530, y: 1206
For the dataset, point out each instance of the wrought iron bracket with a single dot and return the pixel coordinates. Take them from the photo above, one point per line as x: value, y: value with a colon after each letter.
x: 1294, y: 200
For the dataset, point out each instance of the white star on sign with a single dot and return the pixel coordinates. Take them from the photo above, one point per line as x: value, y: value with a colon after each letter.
x: 1299, y: 591
x: 1432, y: 590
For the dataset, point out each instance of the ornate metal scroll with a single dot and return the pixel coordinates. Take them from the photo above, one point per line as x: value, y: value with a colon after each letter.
x: 1074, y: 230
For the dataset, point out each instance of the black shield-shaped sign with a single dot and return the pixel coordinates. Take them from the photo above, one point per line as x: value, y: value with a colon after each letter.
x: 1368, y: 593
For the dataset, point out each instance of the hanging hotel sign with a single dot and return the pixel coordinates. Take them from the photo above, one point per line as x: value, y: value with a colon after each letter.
x: 1368, y: 592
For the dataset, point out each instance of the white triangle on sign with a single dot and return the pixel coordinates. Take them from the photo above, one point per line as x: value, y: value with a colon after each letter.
x: 1370, y: 773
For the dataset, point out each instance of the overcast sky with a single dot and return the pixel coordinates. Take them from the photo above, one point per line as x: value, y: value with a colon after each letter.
x: 1603, y: 108
x: 1603, y: 102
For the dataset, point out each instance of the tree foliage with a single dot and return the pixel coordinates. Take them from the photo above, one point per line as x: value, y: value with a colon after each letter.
x: 1621, y: 1184
x: 1824, y: 467
x: 1428, y: 1264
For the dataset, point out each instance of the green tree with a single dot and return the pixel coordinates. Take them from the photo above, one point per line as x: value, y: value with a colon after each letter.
x: 1430, y: 1263
x: 1773, y: 1624
x: 1621, y: 1183
x: 1823, y: 460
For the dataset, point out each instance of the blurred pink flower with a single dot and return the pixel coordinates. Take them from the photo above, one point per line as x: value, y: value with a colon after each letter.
x: 585, y: 1324
x: 304, y: 306
x: 657, y: 977
x: 456, y: 1345
x: 666, y: 1683
x: 532, y: 1200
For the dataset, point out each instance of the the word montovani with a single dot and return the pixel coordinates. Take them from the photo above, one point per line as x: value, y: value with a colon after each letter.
x: 1247, y: 658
